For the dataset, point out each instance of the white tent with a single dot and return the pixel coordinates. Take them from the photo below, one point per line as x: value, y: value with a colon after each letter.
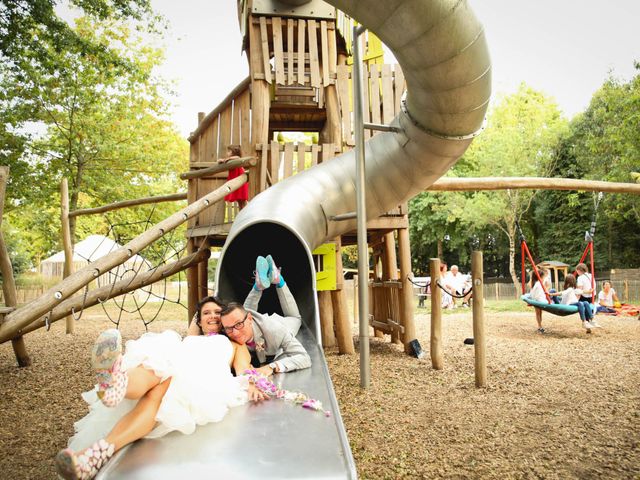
x: 89, y: 250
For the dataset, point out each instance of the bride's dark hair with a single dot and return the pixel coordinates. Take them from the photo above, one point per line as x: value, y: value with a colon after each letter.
x: 210, y: 299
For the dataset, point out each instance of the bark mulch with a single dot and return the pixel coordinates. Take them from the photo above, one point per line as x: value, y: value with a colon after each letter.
x: 560, y: 405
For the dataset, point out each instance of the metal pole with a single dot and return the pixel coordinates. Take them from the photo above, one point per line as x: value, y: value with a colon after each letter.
x: 363, y: 250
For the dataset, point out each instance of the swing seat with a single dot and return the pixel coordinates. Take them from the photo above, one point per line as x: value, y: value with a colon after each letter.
x: 554, y: 308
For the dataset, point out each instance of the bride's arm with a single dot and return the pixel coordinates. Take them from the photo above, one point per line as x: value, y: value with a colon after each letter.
x: 241, y: 361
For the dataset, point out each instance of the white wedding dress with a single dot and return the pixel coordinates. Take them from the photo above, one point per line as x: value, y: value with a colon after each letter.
x: 202, y: 387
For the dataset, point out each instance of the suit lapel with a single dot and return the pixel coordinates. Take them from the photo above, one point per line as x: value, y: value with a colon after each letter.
x: 258, y: 338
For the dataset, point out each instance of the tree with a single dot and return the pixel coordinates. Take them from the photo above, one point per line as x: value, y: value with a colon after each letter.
x: 105, y: 131
x: 436, y: 229
x: 519, y: 140
x: 602, y: 144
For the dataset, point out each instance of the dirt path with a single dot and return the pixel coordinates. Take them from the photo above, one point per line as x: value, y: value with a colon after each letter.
x: 560, y: 405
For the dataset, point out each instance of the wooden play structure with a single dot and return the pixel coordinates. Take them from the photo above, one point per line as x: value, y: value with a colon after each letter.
x: 300, y: 81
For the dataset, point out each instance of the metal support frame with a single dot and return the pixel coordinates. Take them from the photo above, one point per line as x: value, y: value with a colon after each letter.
x: 363, y: 249
x: 381, y: 127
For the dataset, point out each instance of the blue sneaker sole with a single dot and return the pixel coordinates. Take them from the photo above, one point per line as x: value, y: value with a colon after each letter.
x: 262, y: 273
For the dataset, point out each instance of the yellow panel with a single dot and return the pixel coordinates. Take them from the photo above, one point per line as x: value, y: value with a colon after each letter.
x: 326, y: 267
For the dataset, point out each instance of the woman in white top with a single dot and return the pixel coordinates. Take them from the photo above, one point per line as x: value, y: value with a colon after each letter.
x: 606, y: 298
x: 585, y: 283
x: 537, y: 294
x: 571, y: 296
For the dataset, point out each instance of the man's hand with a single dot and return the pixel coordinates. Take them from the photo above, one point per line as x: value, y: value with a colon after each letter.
x: 266, y: 370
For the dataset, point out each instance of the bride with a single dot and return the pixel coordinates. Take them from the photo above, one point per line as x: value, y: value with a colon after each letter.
x: 161, y: 384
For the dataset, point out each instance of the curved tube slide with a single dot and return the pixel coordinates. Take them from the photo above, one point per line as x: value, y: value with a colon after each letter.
x: 443, y: 53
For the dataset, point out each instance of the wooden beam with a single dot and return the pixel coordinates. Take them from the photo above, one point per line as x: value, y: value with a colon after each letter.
x: 121, y: 287
x: 129, y: 203
x: 528, y: 183
x: 220, y: 167
x: 24, y: 315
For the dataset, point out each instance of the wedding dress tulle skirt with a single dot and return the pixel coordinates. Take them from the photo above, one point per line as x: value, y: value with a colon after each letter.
x: 202, y: 388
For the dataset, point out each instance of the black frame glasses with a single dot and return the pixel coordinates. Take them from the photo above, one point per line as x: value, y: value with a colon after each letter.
x: 236, y: 326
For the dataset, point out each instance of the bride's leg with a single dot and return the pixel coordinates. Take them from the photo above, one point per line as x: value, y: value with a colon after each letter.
x: 114, y: 384
x: 141, y: 420
x: 141, y: 381
x: 133, y: 426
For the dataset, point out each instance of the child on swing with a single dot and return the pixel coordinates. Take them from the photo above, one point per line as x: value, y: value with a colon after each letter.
x: 571, y: 296
x: 537, y: 293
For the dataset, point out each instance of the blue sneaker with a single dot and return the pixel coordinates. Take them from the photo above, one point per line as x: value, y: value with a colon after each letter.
x: 262, y: 274
x: 274, y: 273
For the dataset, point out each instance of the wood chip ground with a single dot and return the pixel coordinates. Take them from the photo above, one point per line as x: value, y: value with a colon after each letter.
x: 560, y: 405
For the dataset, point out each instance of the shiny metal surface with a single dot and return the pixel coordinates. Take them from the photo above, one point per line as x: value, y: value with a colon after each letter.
x: 361, y: 212
x: 272, y: 440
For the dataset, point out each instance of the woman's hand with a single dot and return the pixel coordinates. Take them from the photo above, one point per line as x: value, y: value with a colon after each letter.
x: 255, y: 395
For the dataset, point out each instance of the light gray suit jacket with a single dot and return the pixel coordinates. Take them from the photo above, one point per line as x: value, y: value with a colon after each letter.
x: 273, y: 336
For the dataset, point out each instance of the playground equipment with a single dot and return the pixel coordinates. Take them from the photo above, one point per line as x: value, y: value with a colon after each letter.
x: 525, y: 254
x: 446, y: 66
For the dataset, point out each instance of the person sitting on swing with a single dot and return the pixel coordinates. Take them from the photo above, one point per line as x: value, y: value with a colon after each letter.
x: 572, y: 296
x: 537, y: 293
x: 585, y: 283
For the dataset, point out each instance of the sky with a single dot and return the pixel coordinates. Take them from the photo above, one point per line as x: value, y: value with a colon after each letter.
x: 565, y: 48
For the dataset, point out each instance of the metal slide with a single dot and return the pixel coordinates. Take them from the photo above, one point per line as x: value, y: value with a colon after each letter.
x: 443, y: 53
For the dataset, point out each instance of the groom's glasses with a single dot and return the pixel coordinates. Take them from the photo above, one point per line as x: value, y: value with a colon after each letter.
x: 237, y: 326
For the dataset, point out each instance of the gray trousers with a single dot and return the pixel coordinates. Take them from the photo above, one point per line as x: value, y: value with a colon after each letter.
x: 292, y: 318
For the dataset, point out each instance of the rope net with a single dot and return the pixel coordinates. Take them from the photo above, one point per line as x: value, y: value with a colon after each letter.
x: 147, y: 302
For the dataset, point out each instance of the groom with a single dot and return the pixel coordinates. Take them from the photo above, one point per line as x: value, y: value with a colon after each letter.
x: 270, y: 338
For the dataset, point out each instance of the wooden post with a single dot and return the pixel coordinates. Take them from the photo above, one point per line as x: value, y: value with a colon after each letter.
x: 326, y: 319
x: 390, y: 272
x: 406, y: 292
x: 626, y: 290
x: 260, y: 101
x: 344, y: 336
x: 192, y: 283
x: 480, y: 343
x: 203, y: 279
x: 436, y: 315
x: 8, y: 282
x: 67, y: 242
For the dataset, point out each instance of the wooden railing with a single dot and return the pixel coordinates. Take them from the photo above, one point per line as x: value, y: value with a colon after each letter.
x: 384, y: 298
x: 228, y: 123
x: 384, y: 86
x: 283, y: 160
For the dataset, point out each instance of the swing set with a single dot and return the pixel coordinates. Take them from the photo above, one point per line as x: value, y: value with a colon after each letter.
x: 555, y: 308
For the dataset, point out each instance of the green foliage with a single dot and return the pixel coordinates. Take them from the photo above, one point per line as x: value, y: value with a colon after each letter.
x: 519, y: 140
x: 601, y: 144
x: 104, y: 130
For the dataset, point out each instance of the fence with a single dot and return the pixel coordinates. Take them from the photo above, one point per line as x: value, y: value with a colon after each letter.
x: 628, y: 290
